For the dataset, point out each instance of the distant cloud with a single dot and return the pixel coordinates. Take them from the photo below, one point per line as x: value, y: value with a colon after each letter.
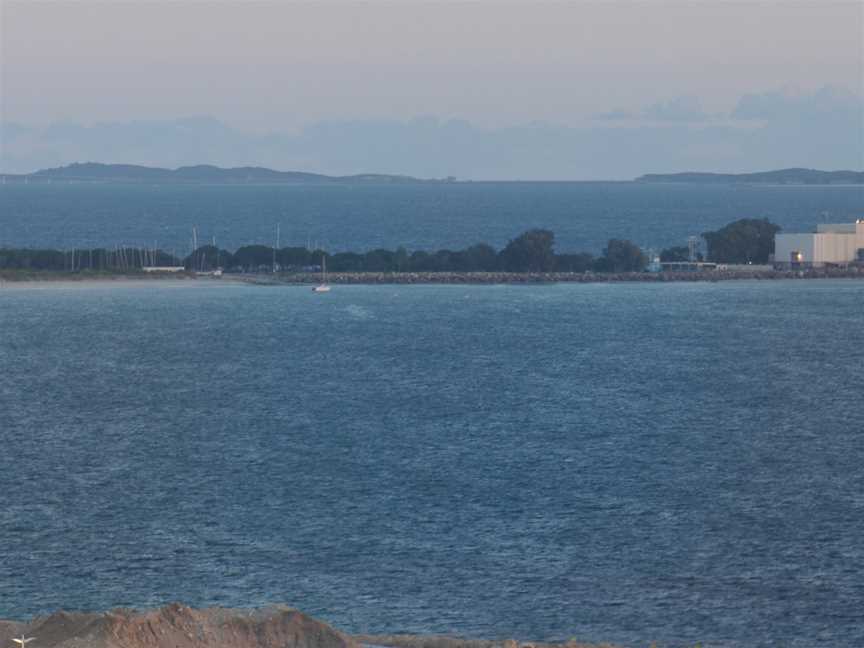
x: 823, y: 129
x: 617, y: 115
x: 786, y: 104
x: 679, y: 109
x: 682, y: 109
x: 12, y: 131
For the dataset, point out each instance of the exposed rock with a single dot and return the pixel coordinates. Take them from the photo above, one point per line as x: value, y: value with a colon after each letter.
x: 178, y: 626
x: 10, y: 629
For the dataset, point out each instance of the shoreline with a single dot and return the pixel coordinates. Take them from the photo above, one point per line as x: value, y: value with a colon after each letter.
x: 12, y: 279
x: 522, y: 278
x: 33, y: 276
x: 48, y: 280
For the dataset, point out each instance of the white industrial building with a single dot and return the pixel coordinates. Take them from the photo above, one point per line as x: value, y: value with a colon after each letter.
x: 838, y: 244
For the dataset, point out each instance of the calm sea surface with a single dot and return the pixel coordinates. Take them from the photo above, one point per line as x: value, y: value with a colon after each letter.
x: 628, y: 463
x: 344, y: 217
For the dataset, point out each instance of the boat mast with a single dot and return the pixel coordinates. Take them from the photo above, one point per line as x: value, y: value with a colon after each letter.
x: 276, y: 248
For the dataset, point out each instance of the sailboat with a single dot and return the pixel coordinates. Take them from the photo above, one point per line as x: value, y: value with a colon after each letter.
x: 322, y: 287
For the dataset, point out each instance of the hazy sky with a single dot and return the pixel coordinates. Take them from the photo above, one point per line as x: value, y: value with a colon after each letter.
x: 278, y: 66
x: 483, y: 90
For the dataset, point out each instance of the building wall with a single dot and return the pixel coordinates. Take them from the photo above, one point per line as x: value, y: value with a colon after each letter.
x: 834, y: 248
x: 837, y: 228
x: 831, y: 243
x: 859, y: 235
x: 786, y: 244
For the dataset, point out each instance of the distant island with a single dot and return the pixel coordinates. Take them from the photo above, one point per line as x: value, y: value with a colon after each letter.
x: 781, y: 176
x: 202, y: 173
x: 97, y: 172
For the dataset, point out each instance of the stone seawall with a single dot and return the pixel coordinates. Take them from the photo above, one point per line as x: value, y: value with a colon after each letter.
x: 541, y: 277
x: 345, y: 278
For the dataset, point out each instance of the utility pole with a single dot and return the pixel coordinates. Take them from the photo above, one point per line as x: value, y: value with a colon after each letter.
x: 693, y: 249
x: 276, y: 248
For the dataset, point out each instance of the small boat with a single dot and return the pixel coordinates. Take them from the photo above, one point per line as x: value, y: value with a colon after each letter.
x: 322, y: 287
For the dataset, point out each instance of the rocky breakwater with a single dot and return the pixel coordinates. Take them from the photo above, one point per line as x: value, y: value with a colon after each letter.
x: 545, y: 277
x: 178, y: 626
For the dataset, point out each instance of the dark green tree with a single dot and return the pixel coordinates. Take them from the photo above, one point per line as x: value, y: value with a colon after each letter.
x: 579, y: 262
x: 254, y: 257
x: 421, y: 261
x: 532, y: 251
x: 676, y: 254
x: 478, y: 258
x: 379, y: 260
x: 400, y: 259
x: 291, y: 258
x: 346, y: 262
x: 208, y: 257
x: 621, y: 256
x: 748, y: 240
x: 444, y: 260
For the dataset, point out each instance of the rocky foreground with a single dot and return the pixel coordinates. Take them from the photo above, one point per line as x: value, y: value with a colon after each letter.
x: 178, y: 626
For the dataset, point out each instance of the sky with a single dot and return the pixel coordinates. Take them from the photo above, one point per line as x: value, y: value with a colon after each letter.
x: 283, y: 70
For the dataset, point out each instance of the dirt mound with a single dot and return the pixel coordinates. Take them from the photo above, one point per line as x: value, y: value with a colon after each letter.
x: 178, y: 626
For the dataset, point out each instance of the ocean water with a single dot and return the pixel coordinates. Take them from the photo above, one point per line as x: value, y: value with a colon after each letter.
x: 630, y: 463
x: 433, y: 216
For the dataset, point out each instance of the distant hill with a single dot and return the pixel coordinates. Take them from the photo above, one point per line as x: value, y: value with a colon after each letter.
x: 124, y: 173
x: 208, y: 174
x: 782, y: 176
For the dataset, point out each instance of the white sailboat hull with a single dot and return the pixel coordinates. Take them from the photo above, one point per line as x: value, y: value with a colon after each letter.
x: 322, y: 287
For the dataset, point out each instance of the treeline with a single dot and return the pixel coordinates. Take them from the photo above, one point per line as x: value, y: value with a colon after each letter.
x: 533, y: 251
